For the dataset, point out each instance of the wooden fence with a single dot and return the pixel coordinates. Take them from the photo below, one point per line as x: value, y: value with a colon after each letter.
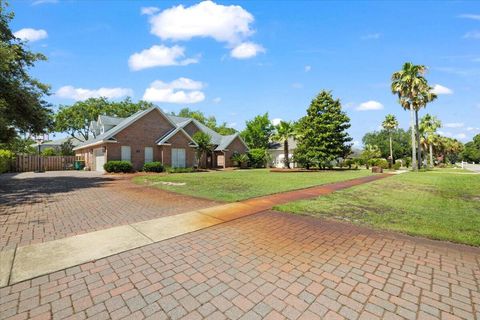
x: 24, y: 163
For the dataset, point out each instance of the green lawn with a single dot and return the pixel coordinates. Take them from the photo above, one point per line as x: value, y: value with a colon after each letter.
x: 243, y: 184
x: 429, y: 204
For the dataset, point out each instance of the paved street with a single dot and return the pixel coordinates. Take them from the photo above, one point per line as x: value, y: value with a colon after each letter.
x: 39, y: 207
x: 269, y: 265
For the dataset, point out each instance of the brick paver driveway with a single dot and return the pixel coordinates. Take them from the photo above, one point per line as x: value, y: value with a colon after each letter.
x: 38, y: 207
x: 269, y: 265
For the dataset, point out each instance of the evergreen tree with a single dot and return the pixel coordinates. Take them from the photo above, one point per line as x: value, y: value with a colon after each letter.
x: 322, y: 135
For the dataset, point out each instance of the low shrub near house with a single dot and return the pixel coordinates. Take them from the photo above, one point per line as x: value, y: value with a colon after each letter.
x: 258, y: 158
x: 379, y: 162
x: 154, y: 166
x: 118, y: 166
x: 6, y: 156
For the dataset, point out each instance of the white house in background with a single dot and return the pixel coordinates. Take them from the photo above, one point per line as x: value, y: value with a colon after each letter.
x: 277, y: 154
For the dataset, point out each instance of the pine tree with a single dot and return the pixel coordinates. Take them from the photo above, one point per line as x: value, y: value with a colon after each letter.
x: 322, y: 135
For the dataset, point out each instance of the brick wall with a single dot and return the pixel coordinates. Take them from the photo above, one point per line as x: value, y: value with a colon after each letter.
x: 191, y: 129
x: 235, y: 146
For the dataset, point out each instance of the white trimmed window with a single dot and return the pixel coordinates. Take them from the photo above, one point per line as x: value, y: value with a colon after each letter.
x: 126, y: 153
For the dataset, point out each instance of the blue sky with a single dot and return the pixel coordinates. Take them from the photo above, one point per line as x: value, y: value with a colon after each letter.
x: 237, y: 59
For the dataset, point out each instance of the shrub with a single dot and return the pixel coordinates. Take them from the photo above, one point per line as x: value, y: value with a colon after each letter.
x: 118, y: 166
x: 155, y: 166
x: 397, y: 165
x: 6, y: 156
x: 379, y: 162
x: 257, y: 158
x: 240, y: 159
x: 49, y: 152
x: 179, y: 170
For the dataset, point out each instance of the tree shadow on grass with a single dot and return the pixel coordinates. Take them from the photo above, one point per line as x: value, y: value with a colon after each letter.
x: 37, y: 189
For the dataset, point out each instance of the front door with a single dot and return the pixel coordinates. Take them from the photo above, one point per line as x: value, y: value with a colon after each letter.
x: 178, y: 158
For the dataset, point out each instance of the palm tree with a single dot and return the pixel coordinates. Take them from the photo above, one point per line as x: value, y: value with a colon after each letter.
x: 413, y: 93
x: 389, y: 124
x: 284, y: 131
x: 428, y: 126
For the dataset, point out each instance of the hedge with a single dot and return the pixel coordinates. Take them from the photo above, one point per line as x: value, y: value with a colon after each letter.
x: 118, y: 166
x: 6, y: 157
x: 155, y: 166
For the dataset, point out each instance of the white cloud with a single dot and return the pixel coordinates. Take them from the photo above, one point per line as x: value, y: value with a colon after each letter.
x: 371, y: 36
x: 470, y: 16
x: 276, y: 121
x: 37, y: 2
x: 460, y: 136
x: 439, y: 89
x: 159, y: 56
x: 232, y: 124
x: 453, y: 125
x: 149, y: 10
x: 29, y: 34
x: 246, y: 50
x: 370, y: 105
x: 297, y: 85
x: 229, y: 24
x: 217, y: 100
x: 473, y: 129
x: 308, y: 68
x: 71, y: 92
x: 475, y: 34
x: 181, y: 90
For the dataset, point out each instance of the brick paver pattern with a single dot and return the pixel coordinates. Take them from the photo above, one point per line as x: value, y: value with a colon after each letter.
x: 265, y: 266
x: 48, y: 206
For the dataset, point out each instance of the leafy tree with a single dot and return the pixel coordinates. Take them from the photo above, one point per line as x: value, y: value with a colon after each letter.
x: 19, y: 145
x: 401, y: 147
x: 22, y: 107
x: 210, y: 121
x: 258, y: 157
x: 258, y: 132
x: 369, y: 153
x: 449, y: 149
x: 75, y: 119
x: 428, y: 126
x: 322, y: 133
x: 390, y: 124
x: 49, y: 152
x: 284, y: 131
x: 66, y: 148
x: 471, y: 151
x: 204, y: 145
x: 413, y: 92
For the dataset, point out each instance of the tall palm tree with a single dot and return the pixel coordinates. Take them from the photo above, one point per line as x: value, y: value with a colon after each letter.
x: 389, y: 124
x: 428, y: 126
x: 413, y: 92
x: 284, y: 131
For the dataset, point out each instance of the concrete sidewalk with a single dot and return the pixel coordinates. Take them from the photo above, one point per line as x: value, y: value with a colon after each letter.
x: 39, y: 259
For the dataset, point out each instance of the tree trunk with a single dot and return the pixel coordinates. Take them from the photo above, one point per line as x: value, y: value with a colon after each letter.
x: 419, y: 149
x: 412, y: 126
x: 431, y: 154
x: 286, y: 161
x: 391, y: 150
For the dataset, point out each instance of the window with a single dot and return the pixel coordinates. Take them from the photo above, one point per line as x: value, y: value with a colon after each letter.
x: 148, y: 154
x: 126, y: 153
x: 178, y: 158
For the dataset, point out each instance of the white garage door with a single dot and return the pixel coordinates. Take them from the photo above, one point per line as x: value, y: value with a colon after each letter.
x: 178, y: 158
x: 99, y: 159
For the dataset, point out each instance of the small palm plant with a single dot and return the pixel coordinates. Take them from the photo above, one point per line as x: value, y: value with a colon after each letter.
x: 389, y: 124
x: 204, y: 145
x: 284, y: 131
x: 428, y: 126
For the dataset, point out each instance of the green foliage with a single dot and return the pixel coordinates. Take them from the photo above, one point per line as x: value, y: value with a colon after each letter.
x: 397, y: 165
x: 401, y: 146
x: 49, y: 152
x: 379, y: 162
x: 75, y: 119
x: 471, y: 151
x: 118, y: 166
x: 210, y: 121
x: 240, y: 159
x: 284, y: 131
x: 322, y: 133
x: 19, y: 145
x: 258, y: 158
x: 22, y: 105
x: 154, y: 166
x: 6, y: 157
x: 66, y: 148
x: 204, y: 144
x: 179, y: 170
x: 258, y: 132
x: 369, y: 153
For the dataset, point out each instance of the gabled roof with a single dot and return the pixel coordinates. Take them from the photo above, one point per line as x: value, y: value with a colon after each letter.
x: 173, y: 132
x: 110, y: 121
x: 278, y: 145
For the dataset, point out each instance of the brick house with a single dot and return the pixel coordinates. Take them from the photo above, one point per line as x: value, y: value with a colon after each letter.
x: 152, y: 135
